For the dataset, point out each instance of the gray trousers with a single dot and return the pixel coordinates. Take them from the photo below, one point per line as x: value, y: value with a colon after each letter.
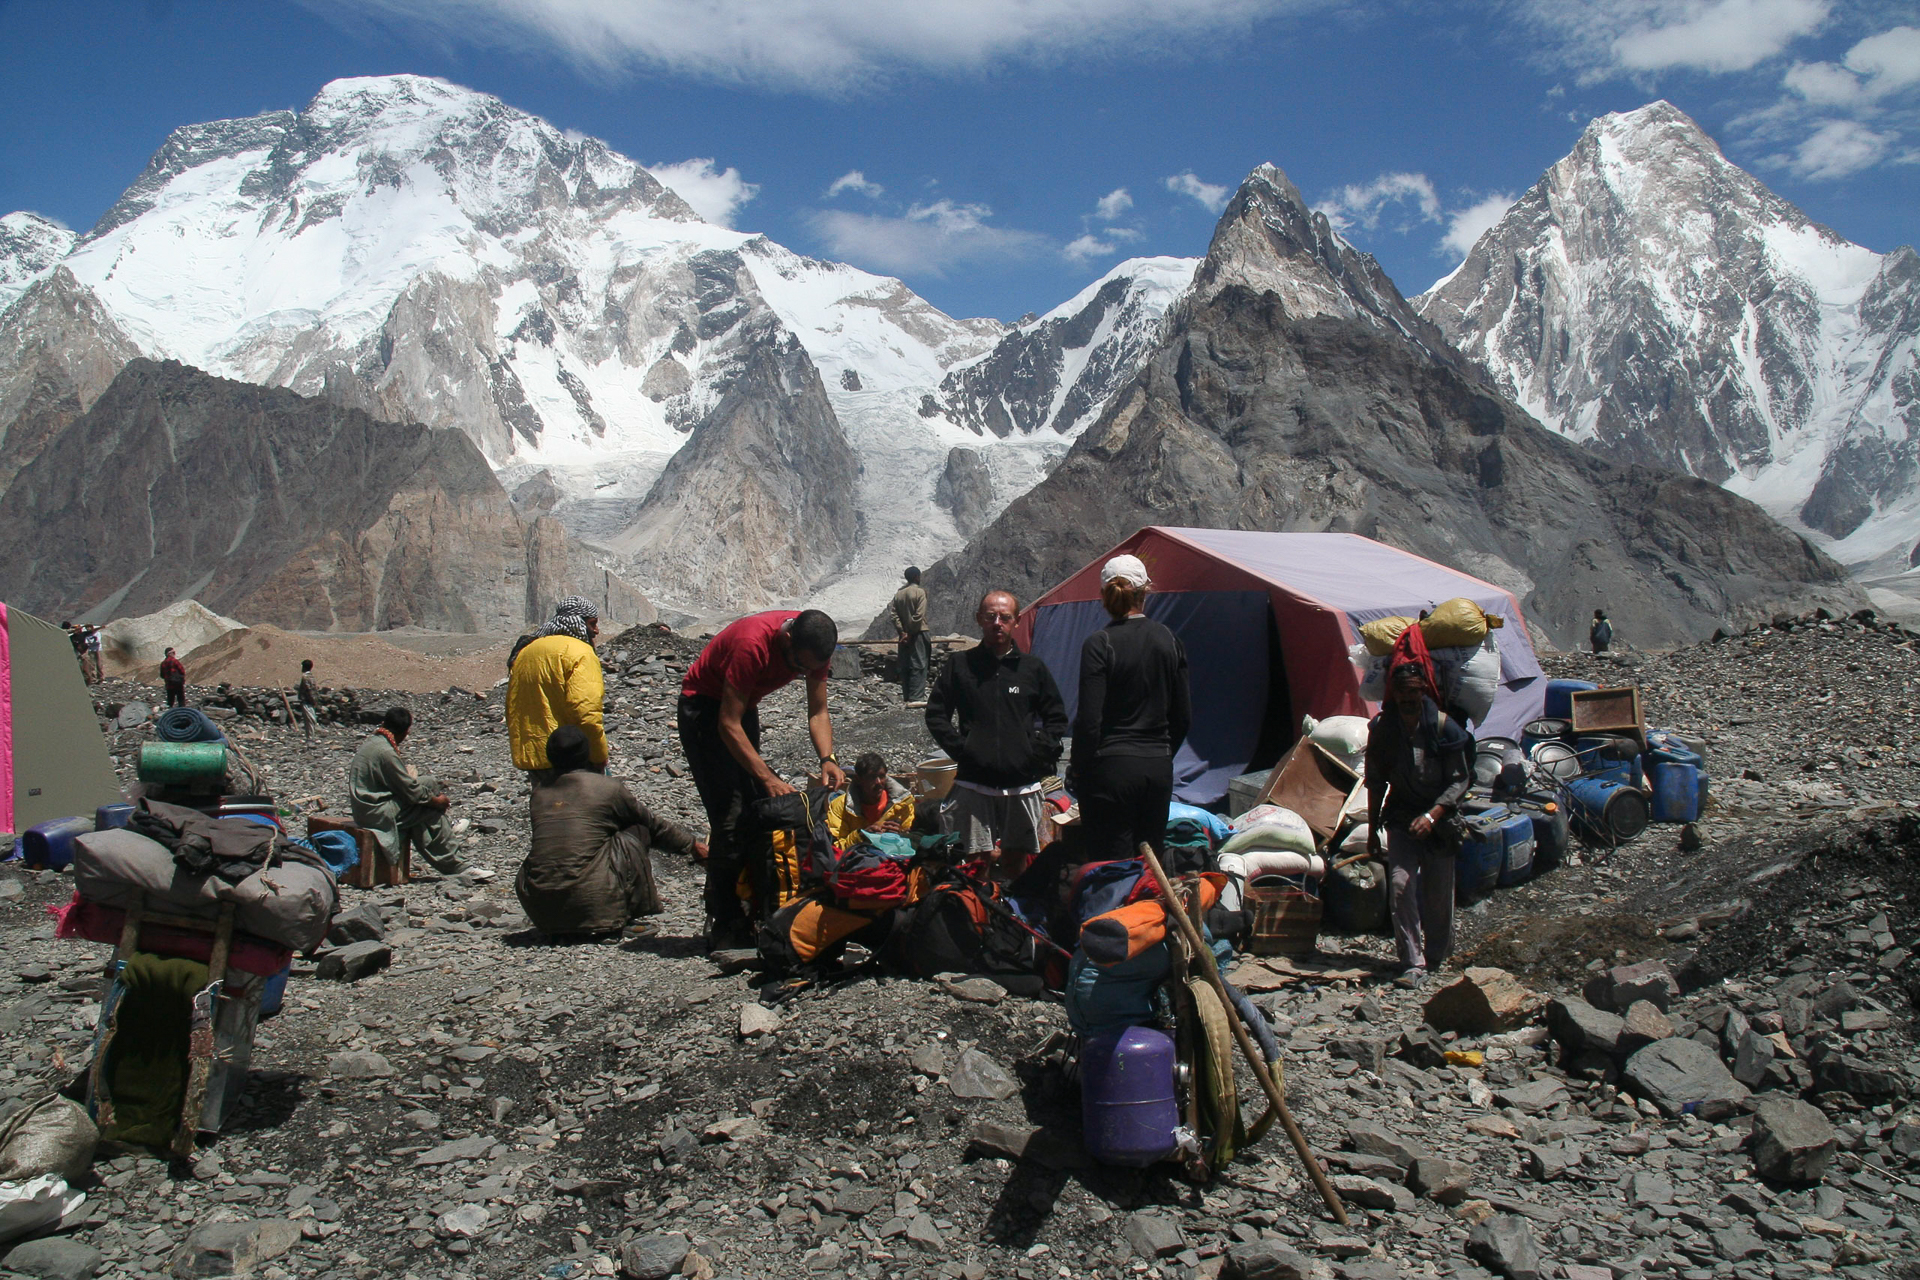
x: 1420, y: 885
x: 916, y: 655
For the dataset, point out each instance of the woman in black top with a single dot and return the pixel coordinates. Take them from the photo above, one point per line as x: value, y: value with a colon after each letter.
x: 1133, y: 715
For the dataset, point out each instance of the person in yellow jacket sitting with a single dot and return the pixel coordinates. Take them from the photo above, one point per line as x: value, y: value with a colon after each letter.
x: 555, y: 681
x: 871, y: 802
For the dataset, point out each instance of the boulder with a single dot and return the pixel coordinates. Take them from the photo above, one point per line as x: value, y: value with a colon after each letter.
x: 232, y: 1248
x: 1533, y: 1097
x: 1641, y: 1025
x: 1853, y: 1074
x: 1482, y: 1002
x: 1679, y: 1076
x: 978, y: 1076
x: 355, y: 961
x: 360, y: 924
x: 1793, y: 1141
x: 1373, y: 1193
x: 1266, y: 1260
x: 1376, y: 1139
x: 654, y: 1257
x: 1442, y: 1181
x: 53, y: 1258
x: 758, y: 1020
x: 1649, y: 980
x: 1504, y: 1245
x: 1151, y: 1233
x: 1578, y: 1027
x: 1751, y: 1058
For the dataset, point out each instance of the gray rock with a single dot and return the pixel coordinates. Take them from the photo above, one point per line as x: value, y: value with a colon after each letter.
x: 363, y: 923
x: 1793, y: 1141
x: 1751, y: 1058
x: 465, y: 1222
x: 1852, y: 1074
x: 1152, y: 1234
x: 1373, y: 1193
x: 1266, y: 1260
x: 1443, y: 1181
x: 858, y: 1202
x: 1366, y: 1269
x: 1377, y: 1140
x: 758, y: 1020
x: 978, y: 1076
x: 359, y: 1064
x: 974, y: 990
x: 1646, y: 1189
x: 1649, y: 980
x: 1641, y: 1025
x: 355, y: 961
x: 654, y: 1257
x: 1532, y: 1097
x: 232, y: 1248
x: 1737, y: 1242
x: 1836, y: 1000
x: 730, y: 960
x: 1580, y: 1028
x: 471, y: 1148
x: 53, y: 1258
x: 1423, y: 1047
x: 1504, y: 1244
x: 929, y: 1059
x: 1679, y: 1075
x: 1370, y: 1053
x: 1550, y: 1161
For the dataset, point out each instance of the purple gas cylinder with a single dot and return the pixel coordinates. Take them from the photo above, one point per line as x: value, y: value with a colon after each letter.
x: 1127, y: 1108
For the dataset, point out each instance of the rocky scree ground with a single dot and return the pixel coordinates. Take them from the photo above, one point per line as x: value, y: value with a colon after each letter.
x: 488, y: 1105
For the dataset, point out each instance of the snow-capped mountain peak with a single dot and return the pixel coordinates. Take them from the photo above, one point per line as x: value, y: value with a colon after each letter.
x: 1653, y: 299
x: 30, y: 245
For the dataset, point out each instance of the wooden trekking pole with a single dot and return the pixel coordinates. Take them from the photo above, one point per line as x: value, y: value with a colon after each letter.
x: 1211, y: 972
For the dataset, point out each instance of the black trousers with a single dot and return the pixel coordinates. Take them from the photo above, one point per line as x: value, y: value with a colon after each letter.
x: 1123, y: 803
x: 176, y: 695
x: 726, y: 789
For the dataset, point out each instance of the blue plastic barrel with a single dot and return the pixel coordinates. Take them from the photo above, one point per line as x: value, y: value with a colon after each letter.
x: 1482, y: 853
x: 1608, y: 812
x: 1559, y: 701
x: 1676, y: 791
x: 1128, y: 1111
x: 1552, y: 827
x: 109, y: 817
x: 1608, y: 757
x: 50, y: 844
x: 1517, y: 863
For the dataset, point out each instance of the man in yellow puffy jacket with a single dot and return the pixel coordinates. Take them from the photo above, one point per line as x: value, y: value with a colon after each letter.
x: 555, y: 681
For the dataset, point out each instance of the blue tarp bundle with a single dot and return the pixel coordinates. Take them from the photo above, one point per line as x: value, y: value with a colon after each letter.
x: 187, y: 724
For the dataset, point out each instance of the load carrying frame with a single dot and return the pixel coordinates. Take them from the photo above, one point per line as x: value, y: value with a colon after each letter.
x: 214, y: 1070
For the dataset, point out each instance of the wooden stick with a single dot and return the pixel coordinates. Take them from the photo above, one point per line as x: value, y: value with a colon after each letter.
x: 1211, y: 972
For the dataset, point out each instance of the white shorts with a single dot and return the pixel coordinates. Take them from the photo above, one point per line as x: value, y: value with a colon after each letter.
x: 984, y: 817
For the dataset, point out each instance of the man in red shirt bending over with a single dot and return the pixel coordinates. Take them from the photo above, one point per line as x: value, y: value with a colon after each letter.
x: 720, y: 730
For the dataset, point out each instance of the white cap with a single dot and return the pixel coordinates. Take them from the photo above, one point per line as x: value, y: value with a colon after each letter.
x: 1127, y: 569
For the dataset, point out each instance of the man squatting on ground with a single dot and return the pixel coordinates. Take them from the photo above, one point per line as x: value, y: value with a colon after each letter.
x: 720, y: 732
x: 1416, y: 771
x: 1011, y: 720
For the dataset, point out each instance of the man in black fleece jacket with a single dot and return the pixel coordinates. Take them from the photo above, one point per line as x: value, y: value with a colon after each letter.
x: 1011, y: 721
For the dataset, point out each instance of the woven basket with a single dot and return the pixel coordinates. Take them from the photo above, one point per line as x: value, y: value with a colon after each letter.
x: 1284, y: 920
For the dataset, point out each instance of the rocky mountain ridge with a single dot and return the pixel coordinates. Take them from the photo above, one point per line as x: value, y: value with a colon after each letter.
x: 1351, y: 414
x: 280, y: 509
x: 1649, y: 298
x: 429, y: 254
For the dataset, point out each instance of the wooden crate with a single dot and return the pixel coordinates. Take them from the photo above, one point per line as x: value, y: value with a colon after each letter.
x: 375, y: 868
x: 1282, y: 921
x: 1313, y: 783
x: 1615, y: 710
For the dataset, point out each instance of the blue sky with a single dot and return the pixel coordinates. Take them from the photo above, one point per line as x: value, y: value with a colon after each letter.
x: 1000, y: 154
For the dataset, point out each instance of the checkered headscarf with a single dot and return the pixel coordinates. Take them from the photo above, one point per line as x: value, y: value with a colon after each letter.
x: 570, y: 618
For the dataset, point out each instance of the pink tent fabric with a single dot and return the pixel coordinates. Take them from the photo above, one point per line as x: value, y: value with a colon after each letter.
x: 6, y: 723
x: 1322, y: 587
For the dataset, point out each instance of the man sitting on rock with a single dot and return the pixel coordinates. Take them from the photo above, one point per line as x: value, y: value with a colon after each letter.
x: 590, y: 869
x: 871, y: 802
x: 391, y: 799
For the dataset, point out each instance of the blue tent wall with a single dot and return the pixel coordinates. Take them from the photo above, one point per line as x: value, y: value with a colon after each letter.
x: 1225, y: 636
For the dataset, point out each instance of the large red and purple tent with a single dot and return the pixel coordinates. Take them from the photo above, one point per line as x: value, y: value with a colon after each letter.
x: 1267, y: 620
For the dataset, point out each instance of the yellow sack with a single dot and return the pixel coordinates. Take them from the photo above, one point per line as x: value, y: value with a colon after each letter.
x: 1457, y: 624
x: 1380, y: 634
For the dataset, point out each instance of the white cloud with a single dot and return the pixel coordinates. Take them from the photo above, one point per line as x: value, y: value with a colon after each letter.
x: 929, y: 239
x: 855, y: 181
x: 1211, y: 197
x: 1890, y: 60
x: 1839, y: 148
x: 1113, y: 204
x: 1605, y: 37
x: 829, y: 46
x: 715, y: 194
x: 1362, y: 205
x: 1086, y: 247
x: 1466, y: 226
x: 1825, y: 84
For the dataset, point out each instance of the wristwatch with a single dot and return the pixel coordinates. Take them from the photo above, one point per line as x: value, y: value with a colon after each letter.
x: 830, y: 756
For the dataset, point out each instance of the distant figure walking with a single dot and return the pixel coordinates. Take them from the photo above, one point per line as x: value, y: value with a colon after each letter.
x: 916, y: 649
x: 1601, y: 633
x: 309, y: 703
x: 173, y: 674
x: 93, y: 653
x: 1134, y: 713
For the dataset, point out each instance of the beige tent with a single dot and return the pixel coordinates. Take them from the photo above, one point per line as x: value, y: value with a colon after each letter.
x: 53, y: 758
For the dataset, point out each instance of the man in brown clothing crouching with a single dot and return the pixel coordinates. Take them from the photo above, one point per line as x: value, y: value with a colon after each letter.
x: 590, y: 869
